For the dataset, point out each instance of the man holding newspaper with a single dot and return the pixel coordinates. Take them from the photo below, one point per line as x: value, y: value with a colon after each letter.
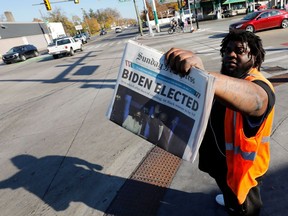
x: 235, y: 148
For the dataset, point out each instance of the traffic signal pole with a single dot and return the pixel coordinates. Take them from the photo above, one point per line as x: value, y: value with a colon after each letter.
x: 147, y: 18
x: 191, y: 22
x: 155, y: 16
x: 196, y: 14
x: 139, y: 19
x: 47, y: 3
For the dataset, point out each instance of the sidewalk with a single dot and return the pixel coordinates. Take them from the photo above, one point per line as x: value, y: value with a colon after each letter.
x: 164, y: 32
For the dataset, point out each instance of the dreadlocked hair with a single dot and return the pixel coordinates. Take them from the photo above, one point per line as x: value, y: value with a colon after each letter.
x: 254, y: 42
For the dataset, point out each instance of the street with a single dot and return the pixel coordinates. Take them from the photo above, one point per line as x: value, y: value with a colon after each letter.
x: 59, y: 153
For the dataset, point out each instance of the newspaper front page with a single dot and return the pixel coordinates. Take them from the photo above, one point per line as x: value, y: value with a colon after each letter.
x: 160, y: 106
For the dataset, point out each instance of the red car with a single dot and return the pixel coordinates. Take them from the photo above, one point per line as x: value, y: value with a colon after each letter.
x: 260, y: 20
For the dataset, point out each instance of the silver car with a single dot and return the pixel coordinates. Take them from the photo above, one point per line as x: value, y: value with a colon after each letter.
x: 81, y: 37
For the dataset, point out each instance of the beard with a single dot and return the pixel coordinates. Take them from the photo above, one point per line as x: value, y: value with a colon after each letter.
x: 236, y: 70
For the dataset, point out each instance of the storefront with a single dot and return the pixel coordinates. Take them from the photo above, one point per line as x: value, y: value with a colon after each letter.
x: 237, y: 6
x: 208, y: 9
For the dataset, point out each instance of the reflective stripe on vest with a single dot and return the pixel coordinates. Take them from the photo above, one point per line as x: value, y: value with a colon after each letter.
x: 265, y: 139
x: 236, y: 150
x: 245, y: 155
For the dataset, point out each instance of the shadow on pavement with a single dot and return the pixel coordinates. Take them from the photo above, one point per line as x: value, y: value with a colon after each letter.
x: 222, y: 35
x: 59, y: 180
x: 275, y: 193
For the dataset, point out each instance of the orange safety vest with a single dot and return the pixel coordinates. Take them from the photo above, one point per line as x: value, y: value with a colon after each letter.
x: 247, y: 158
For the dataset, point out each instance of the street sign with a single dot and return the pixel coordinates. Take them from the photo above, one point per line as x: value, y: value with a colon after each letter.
x: 78, y: 27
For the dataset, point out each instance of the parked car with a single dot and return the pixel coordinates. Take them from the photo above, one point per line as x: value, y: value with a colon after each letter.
x: 260, y: 6
x: 118, y: 30
x: 81, y: 37
x: 228, y: 13
x: 20, y: 53
x: 260, y: 20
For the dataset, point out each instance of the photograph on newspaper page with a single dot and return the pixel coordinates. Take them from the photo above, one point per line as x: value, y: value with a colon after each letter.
x: 158, y: 105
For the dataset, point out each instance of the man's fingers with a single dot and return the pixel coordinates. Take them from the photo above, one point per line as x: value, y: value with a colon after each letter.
x: 181, y: 61
x: 174, y: 56
x: 170, y: 55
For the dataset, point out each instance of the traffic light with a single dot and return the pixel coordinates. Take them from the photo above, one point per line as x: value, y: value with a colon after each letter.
x: 76, y: 1
x: 47, y: 4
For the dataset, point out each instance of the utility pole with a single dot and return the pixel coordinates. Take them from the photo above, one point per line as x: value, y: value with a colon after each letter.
x: 155, y: 16
x: 180, y: 8
x: 48, y: 28
x: 139, y: 19
x: 147, y: 18
x: 196, y: 14
x: 218, y: 11
x: 85, y: 19
x: 191, y: 24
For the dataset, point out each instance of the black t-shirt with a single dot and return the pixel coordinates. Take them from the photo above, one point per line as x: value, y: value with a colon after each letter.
x: 212, y: 150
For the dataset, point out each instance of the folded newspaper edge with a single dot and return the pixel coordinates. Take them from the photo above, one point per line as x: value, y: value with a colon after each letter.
x: 153, y: 102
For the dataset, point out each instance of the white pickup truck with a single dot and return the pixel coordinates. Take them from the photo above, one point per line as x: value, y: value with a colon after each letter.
x: 64, y: 46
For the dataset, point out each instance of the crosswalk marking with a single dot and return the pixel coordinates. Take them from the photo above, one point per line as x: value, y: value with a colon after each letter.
x: 203, y: 46
x: 203, y: 51
x: 270, y: 50
x: 109, y: 44
x: 268, y: 47
x: 216, y: 57
x: 276, y: 59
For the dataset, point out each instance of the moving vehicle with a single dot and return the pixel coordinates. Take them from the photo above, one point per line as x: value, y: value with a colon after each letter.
x: 64, y: 46
x: 102, y: 32
x: 52, y: 43
x: 82, y: 37
x: 118, y: 30
x: 87, y: 35
x: 20, y: 53
x: 260, y: 6
x: 260, y: 20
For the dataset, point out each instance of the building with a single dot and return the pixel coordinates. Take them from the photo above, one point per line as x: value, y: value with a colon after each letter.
x: 211, y: 9
x: 39, y: 34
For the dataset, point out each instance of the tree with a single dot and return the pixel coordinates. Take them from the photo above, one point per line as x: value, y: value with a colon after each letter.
x: 105, y: 17
x: 37, y: 20
x: 57, y: 15
x: 95, y: 20
x: 76, y: 20
x: 162, y: 10
x: 93, y: 25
